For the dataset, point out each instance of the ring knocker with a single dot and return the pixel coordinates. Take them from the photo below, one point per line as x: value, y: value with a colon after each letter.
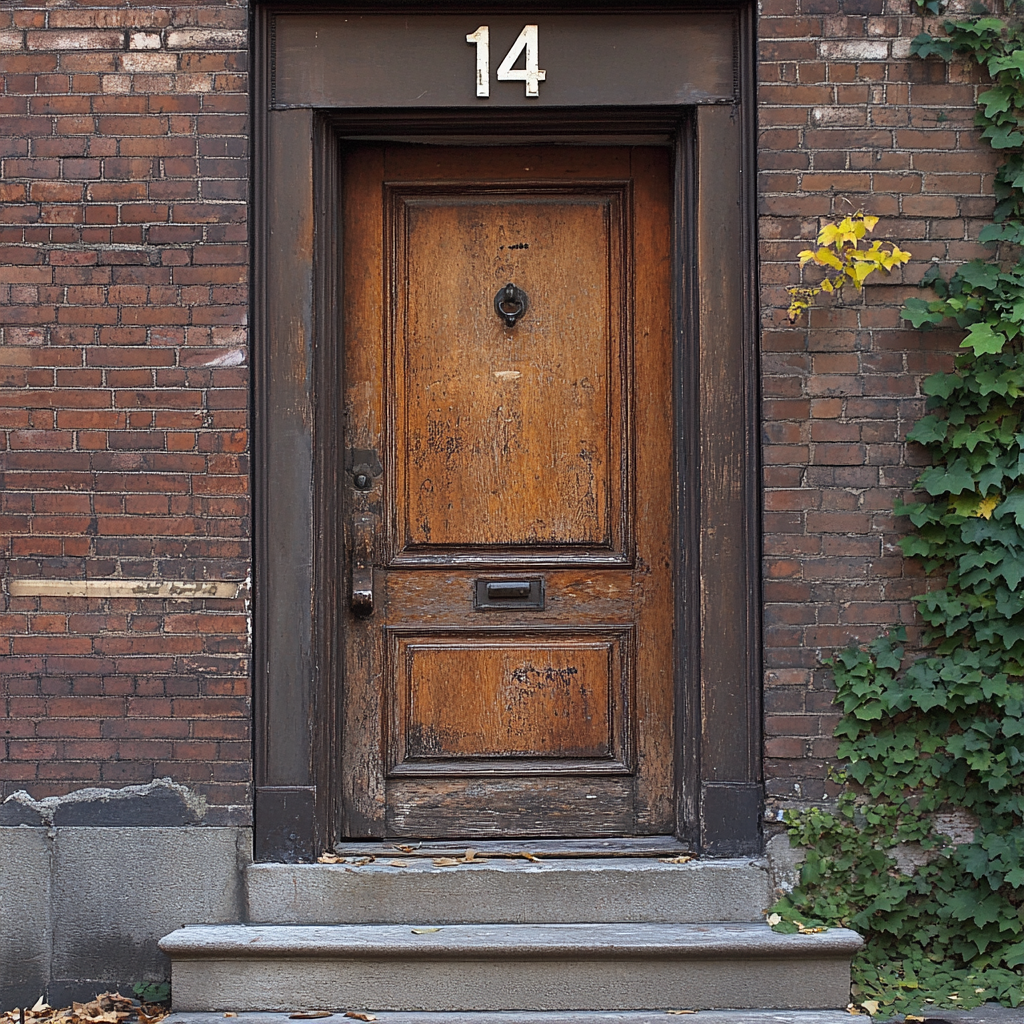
x: 510, y: 304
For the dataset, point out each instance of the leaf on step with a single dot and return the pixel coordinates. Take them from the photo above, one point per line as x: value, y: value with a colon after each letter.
x: 308, y: 1014
x: 360, y: 1016
x: 398, y: 863
x: 404, y: 849
x: 854, y: 1009
x: 40, y: 1006
x: 330, y: 858
x: 424, y: 931
x: 681, y: 859
x: 911, y: 1016
x: 680, y: 1011
x: 230, y: 1014
x: 446, y: 862
x: 364, y: 860
x: 804, y: 930
x: 470, y: 856
x: 528, y: 856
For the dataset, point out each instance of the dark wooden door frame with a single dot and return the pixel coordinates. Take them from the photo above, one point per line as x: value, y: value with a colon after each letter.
x: 298, y: 557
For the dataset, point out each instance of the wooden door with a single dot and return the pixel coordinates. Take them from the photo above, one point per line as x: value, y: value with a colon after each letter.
x: 508, y: 500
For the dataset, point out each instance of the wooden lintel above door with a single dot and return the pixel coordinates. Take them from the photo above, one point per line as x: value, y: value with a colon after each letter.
x: 358, y: 60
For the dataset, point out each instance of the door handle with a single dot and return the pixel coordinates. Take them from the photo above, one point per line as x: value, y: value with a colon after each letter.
x: 362, y: 565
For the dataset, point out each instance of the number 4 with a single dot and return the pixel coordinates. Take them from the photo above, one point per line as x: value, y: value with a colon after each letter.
x: 530, y: 74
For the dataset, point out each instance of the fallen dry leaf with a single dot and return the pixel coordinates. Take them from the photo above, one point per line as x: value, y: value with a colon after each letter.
x: 680, y: 1011
x: 528, y: 856
x: 364, y: 860
x: 398, y: 863
x: 471, y: 855
x: 446, y: 862
x: 330, y: 858
x: 911, y: 1016
x: 106, y: 1008
x: 681, y: 859
x: 405, y: 849
x: 424, y: 931
x: 310, y: 1014
x: 804, y: 930
x: 855, y: 1010
x: 871, y: 1005
x: 230, y: 1014
x: 360, y: 1016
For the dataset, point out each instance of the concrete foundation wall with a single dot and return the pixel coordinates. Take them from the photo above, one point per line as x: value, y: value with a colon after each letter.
x: 82, y: 906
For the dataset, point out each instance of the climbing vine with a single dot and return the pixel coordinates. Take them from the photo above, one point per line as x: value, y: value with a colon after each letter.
x: 939, y: 737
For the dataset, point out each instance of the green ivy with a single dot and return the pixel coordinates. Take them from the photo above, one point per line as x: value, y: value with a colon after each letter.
x: 922, y: 736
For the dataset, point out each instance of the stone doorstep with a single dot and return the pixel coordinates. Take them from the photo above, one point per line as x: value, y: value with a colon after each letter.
x: 554, y: 1017
x: 567, y: 891
x: 472, y: 967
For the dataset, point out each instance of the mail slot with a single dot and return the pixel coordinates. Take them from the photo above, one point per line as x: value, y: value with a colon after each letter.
x: 492, y: 595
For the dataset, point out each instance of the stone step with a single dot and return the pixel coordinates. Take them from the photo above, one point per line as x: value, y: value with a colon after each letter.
x: 475, y: 967
x: 507, y: 891
x: 557, y: 1017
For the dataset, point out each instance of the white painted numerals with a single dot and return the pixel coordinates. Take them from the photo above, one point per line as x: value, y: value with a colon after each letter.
x: 530, y: 74
x: 482, y: 38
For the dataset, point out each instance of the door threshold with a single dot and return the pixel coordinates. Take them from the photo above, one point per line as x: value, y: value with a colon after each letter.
x: 646, y: 846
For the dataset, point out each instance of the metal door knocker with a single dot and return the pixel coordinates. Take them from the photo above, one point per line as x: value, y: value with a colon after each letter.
x: 510, y: 304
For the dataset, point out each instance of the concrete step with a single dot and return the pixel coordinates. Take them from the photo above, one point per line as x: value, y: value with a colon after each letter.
x: 554, y: 1017
x: 509, y: 891
x: 476, y: 967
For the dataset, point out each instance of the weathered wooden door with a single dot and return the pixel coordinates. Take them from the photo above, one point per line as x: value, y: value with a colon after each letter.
x: 509, y: 496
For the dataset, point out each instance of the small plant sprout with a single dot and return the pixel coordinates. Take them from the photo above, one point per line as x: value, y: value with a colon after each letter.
x: 840, y: 254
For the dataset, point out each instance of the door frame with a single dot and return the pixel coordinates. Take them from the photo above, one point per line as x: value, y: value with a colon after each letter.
x: 298, y: 588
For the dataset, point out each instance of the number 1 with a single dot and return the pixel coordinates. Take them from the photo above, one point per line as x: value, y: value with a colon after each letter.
x: 483, y: 60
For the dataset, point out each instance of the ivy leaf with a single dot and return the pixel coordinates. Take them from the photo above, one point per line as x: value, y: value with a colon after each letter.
x: 954, y: 480
x: 920, y: 313
x: 1012, y: 504
x: 925, y: 45
x: 979, y: 274
x: 981, y: 338
x: 929, y: 430
x: 997, y: 100
x: 940, y: 385
x: 1003, y: 137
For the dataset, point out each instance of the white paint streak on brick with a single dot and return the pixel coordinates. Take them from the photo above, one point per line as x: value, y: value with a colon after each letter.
x: 206, y: 39
x: 11, y: 39
x: 144, y: 41
x: 194, y: 83
x: 116, y: 83
x: 854, y: 49
x: 71, y: 40
x: 837, y: 115
x: 149, y: 62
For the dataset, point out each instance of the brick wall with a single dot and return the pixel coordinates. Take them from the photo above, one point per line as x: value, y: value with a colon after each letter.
x: 848, y: 120
x: 123, y: 363
x: 123, y: 409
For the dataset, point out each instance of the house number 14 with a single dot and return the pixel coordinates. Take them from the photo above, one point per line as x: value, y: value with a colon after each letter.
x: 530, y: 74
